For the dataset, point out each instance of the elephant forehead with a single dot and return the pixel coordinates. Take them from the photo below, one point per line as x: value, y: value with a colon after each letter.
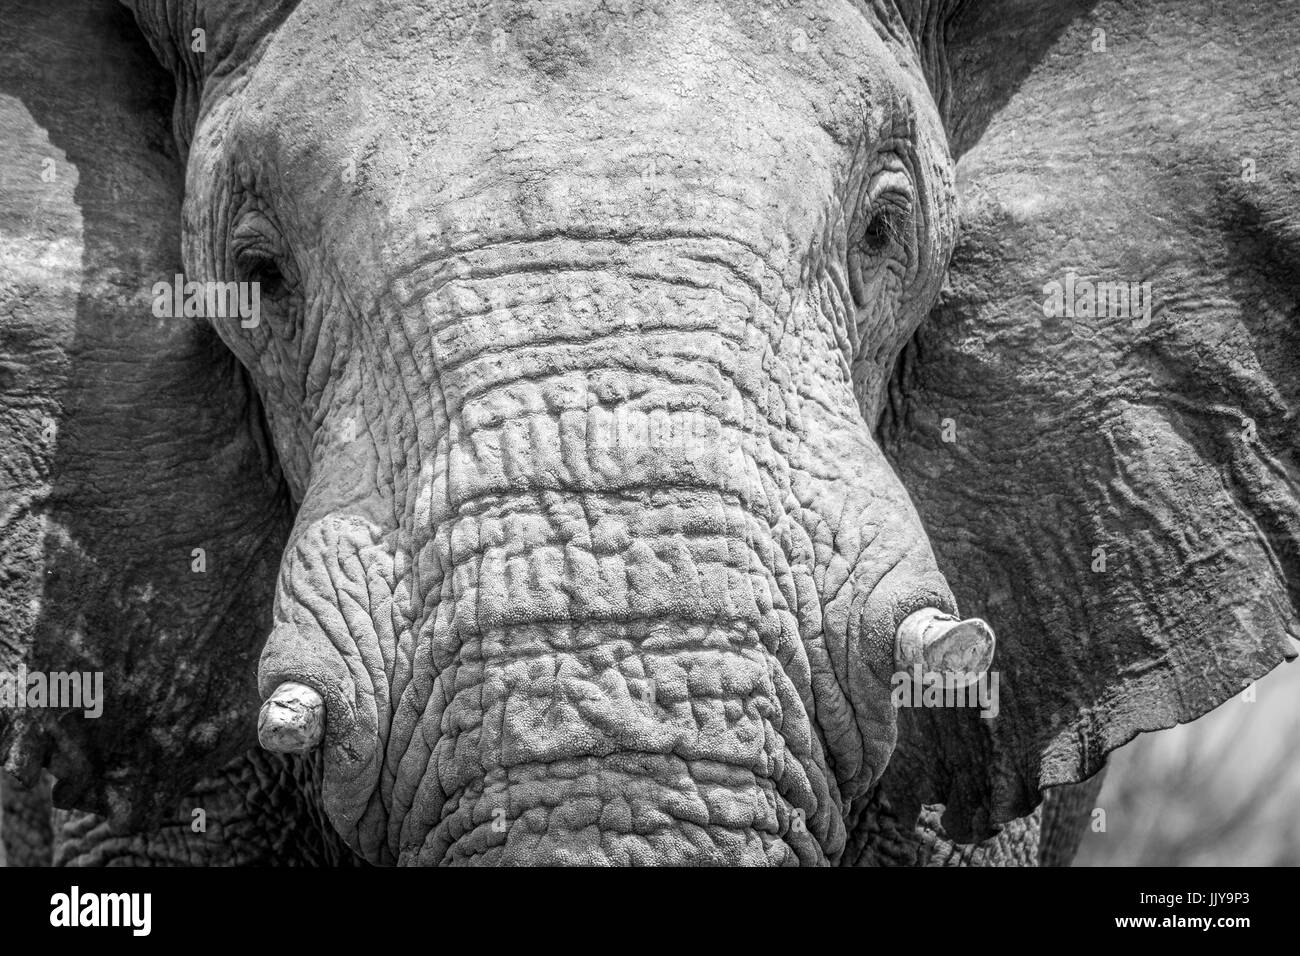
x: 458, y: 46
x: 539, y: 111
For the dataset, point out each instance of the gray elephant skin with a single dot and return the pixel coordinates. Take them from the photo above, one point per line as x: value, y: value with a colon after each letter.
x: 624, y: 377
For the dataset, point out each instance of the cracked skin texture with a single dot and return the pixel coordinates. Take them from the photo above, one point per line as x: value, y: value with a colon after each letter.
x: 572, y: 377
x: 559, y: 435
x: 483, y: 582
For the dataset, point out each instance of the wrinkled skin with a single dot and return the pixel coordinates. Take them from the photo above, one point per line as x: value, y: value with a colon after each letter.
x: 485, y: 243
x: 484, y: 575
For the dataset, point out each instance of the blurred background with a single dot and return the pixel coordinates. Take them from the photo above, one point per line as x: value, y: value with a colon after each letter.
x: 1221, y: 791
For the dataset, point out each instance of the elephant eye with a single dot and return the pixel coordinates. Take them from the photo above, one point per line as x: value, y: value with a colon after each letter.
x: 886, y: 227
x: 258, y: 254
x: 270, y: 280
x: 879, y: 233
x: 880, y: 250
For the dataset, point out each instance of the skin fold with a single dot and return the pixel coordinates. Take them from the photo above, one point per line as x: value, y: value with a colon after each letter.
x: 522, y: 569
x: 586, y: 454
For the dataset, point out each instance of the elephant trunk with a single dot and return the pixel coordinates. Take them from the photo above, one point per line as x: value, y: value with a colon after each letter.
x: 582, y: 592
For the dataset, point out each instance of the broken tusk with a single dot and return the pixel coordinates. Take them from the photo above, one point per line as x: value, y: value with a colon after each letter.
x: 292, y: 720
x: 941, y: 643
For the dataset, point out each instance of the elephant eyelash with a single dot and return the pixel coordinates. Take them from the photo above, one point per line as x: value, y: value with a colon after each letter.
x: 879, y: 233
x: 882, y: 246
x: 890, y: 225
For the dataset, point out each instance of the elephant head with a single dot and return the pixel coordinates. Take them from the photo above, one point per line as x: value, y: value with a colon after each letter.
x: 614, y: 411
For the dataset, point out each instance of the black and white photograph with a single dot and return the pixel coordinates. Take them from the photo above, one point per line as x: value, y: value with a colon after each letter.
x: 650, y: 434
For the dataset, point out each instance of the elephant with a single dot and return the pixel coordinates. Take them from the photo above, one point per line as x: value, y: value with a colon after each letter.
x: 553, y: 433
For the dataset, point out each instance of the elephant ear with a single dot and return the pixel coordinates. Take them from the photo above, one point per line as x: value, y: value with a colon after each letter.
x: 141, y: 511
x: 1116, y: 489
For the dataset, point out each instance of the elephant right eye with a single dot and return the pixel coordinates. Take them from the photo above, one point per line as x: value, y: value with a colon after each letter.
x: 269, y: 279
x: 260, y: 258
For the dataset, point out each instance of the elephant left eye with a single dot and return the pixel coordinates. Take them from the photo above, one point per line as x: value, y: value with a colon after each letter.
x: 888, y: 225
x: 880, y: 231
x: 881, y: 248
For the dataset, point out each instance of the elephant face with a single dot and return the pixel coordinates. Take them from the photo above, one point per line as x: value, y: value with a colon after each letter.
x: 824, y: 179
x: 592, y: 529
x: 574, y: 418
